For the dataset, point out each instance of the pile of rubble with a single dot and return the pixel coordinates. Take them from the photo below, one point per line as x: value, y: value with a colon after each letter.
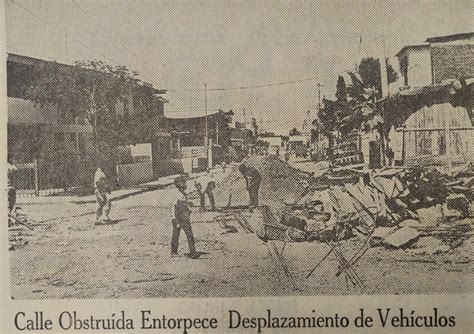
x: 18, y: 231
x: 396, y: 207
x: 279, y: 181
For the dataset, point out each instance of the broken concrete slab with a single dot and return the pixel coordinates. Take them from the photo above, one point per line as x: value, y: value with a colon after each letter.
x: 379, y: 234
x: 429, y: 245
x: 431, y: 216
x: 390, y: 171
x: 409, y: 223
x: 314, y: 225
x: 401, y: 237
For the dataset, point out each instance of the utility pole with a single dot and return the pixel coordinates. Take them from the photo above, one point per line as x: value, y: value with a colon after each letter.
x: 245, y: 120
x: 319, y: 95
x: 318, y: 151
x: 385, y: 93
x: 206, y: 134
x: 217, y: 130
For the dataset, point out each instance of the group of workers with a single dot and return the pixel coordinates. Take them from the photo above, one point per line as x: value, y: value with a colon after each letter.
x: 181, y: 211
x: 180, y: 208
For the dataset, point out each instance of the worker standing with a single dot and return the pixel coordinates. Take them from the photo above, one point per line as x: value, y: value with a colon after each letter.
x: 181, y: 218
x: 252, y: 180
x: 202, y: 196
x: 211, y: 185
x: 101, y: 191
x: 11, y: 189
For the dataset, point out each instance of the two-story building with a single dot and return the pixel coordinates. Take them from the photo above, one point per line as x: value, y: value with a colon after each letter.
x: 437, y: 59
x: 51, y: 149
x: 433, y: 110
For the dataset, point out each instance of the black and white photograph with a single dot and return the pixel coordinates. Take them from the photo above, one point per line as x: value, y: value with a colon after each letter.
x: 223, y: 149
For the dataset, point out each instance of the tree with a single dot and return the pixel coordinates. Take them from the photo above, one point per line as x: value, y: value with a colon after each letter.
x: 89, y: 90
x: 341, y: 89
x: 369, y: 70
x: 294, y: 132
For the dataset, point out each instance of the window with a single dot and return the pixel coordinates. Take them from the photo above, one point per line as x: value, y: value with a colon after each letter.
x: 441, y: 142
x: 423, y: 141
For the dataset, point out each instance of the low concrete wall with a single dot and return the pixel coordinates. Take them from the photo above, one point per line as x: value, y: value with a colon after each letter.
x: 134, y: 173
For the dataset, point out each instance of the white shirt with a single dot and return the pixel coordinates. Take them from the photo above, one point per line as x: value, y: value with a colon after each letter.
x: 99, y: 175
x: 174, y: 197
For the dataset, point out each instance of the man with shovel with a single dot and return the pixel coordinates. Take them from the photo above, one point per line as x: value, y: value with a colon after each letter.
x: 252, y: 180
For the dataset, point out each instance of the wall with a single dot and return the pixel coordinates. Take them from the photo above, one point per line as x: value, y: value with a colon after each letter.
x: 272, y: 141
x: 25, y: 112
x: 164, y: 160
x: 134, y: 173
x: 419, y: 67
x: 430, y: 147
x: 452, y: 61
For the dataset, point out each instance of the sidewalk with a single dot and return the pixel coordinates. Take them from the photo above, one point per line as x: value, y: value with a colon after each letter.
x: 116, y: 195
x: 309, y: 166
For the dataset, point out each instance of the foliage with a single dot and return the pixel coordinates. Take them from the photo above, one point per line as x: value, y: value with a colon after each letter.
x: 24, y: 142
x: 370, y: 80
x: 355, y: 100
x: 369, y: 70
x: 294, y: 132
x: 91, y: 90
x: 267, y: 134
x: 262, y: 143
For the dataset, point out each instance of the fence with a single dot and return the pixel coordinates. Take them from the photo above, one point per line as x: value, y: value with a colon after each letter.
x: 442, y: 148
x: 27, y: 183
x: 25, y: 179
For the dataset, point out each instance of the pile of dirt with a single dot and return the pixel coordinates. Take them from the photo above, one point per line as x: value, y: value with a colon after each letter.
x: 280, y: 183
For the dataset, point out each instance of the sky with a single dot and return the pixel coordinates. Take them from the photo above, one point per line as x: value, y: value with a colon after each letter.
x: 181, y: 45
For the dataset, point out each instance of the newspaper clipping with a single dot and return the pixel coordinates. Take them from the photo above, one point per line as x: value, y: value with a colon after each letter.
x: 271, y: 166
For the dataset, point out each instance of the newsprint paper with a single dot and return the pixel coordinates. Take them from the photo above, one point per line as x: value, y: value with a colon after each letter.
x: 271, y: 166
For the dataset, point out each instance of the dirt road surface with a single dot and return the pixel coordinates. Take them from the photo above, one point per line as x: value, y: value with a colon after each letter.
x: 67, y: 256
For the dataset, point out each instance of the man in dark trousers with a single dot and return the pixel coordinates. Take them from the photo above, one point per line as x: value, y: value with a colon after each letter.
x: 252, y: 180
x: 202, y: 196
x: 181, y: 218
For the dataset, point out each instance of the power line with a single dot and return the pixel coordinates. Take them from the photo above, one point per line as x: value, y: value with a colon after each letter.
x: 185, y: 90
x: 58, y: 29
x: 257, y: 86
x: 54, y: 26
x: 154, y: 67
x: 129, y: 49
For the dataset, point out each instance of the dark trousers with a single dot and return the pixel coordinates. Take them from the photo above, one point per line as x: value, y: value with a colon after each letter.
x: 202, y: 200
x: 11, y: 198
x: 253, y: 195
x: 186, y: 227
x: 210, y: 194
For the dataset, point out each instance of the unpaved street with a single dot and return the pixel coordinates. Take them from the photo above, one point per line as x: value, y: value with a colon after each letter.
x: 67, y: 256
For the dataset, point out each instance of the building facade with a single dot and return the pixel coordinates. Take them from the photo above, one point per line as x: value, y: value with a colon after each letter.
x: 437, y: 60
x: 56, y: 150
x: 429, y: 121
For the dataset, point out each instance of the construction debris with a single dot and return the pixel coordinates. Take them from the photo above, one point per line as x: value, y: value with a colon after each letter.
x: 395, y: 206
x: 429, y: 245
x: 18, y: 231
x: 401, y: 237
